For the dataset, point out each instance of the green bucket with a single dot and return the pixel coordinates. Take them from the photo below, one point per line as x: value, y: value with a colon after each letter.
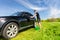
x: 37, y: 27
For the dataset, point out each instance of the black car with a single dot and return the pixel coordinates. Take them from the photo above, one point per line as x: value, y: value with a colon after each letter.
x: 10, y: 25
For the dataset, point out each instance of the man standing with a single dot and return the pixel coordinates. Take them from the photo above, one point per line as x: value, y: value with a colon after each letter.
x: 36, y: 14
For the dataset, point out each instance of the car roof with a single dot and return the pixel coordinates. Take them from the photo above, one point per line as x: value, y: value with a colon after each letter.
x: 19, y: 13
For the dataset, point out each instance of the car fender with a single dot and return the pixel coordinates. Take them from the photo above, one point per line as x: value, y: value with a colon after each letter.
x: 8, y: 21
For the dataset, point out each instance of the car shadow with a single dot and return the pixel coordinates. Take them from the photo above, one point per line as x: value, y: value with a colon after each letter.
x: 2, y: 38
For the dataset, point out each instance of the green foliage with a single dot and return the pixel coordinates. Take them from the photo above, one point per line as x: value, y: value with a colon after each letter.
x: 52, y: 20
x: 49, y: 31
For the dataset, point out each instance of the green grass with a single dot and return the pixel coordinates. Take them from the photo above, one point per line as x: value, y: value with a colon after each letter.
x: 49, y: 31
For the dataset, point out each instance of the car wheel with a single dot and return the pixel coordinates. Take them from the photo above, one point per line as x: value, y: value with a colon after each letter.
x: 10, y: 30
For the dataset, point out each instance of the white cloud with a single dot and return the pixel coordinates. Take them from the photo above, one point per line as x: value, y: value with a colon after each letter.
x: 52, y: 6
x: 54, y: 12
x: 27, y: 4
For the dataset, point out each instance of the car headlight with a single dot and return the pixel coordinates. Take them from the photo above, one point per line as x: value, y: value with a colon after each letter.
x: 2, y: 19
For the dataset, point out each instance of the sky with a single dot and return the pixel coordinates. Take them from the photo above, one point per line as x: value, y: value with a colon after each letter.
x: 46, y: 8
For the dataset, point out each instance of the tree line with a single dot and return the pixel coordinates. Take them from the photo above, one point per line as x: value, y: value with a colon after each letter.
x: 51, y: 20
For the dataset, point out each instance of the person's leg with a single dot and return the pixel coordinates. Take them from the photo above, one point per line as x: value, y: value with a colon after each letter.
x: 36, y: 23
x: 39, y: 24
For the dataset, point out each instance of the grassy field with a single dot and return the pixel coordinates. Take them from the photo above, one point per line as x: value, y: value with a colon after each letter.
x: 49, y: 31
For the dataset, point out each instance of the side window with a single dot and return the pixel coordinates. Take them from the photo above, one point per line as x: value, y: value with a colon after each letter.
x: 25, y: 15
x: 19, y: 14
x: 28, y: 15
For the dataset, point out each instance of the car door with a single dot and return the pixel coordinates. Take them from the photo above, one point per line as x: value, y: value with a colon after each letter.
x: 23, y: 20
x: 29, y: 20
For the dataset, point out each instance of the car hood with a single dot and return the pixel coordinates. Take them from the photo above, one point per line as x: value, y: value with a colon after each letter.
x: 6, y: 16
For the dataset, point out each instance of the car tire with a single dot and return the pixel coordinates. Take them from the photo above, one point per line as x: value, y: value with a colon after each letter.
x: 10, y: 30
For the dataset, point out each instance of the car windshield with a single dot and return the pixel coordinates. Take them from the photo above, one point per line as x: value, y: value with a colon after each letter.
x: 16, y: 14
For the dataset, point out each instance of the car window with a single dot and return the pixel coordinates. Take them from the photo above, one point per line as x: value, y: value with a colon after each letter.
x: 25, y: 14
x: 28, y: 14
x: 16, y: 14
